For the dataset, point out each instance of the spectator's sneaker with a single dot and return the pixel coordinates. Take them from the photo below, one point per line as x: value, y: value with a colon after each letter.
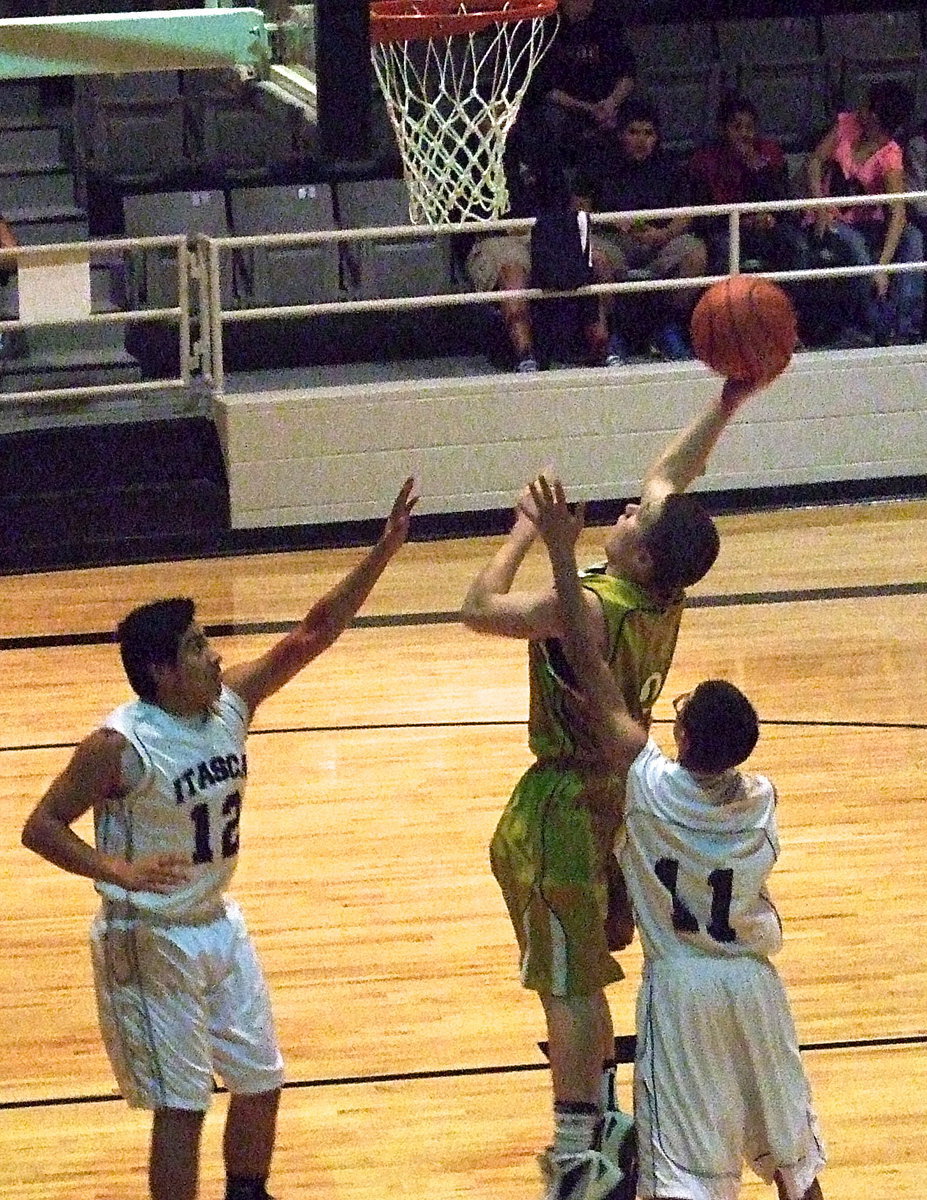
x: 670, y: 343
x: 619, y: 1146
x: 616, y: 353
x: 587, y: 1176
x: 527, y: 365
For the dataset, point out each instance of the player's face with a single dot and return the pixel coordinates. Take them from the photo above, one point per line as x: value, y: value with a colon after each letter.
x: 638, y: 140
x: 198, y: 672
x: 625, y: 539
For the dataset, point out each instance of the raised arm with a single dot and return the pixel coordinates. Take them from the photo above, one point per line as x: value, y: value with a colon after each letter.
x: 686, y: 456
x: 328, y: 618
x: 94, y: 774
x: 621, y: 738
x: 490, y: 606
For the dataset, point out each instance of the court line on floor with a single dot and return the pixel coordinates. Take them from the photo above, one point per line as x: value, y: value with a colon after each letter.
x: 391, y: 620
x: 450, y: 1073
x: 490, y: 723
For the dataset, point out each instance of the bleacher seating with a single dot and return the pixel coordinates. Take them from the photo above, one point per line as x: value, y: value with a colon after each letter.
x: 153, y: 274
x: 389, y: 267
x: 131, y: 129
x: 288, y: 274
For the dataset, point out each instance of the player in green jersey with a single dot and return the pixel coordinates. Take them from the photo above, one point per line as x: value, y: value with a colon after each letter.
x: 552, y: 850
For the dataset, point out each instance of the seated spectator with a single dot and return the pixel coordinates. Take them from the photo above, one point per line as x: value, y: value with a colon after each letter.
x: 860, y: 156
x: 578, y: 88
x: 503, y: 263
x: 915, y: 172
x: 635, y: 175
x: 741, y: 166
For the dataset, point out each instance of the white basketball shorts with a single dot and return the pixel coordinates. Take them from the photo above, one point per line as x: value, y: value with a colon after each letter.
x: 180, y: 1004
x: 718, y: 1081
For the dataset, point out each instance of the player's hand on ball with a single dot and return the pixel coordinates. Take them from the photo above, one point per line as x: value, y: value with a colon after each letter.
x: 156, y: 873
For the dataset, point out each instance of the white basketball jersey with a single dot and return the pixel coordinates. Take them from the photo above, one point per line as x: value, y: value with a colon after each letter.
x: 188, y: 801
x: 697, y: 857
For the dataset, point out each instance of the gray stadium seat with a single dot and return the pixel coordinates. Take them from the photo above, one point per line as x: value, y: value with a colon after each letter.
x: 389, y: 268
x: 153, y: 276
x: 677, y: 47
x: 869, y: 46
x: 871, y: 35
x: 768, y: 40
x: 131, y: 128
x: 296, y: 274
x: 686, y: 103
x: 236, y: 128
x: 796, y: 101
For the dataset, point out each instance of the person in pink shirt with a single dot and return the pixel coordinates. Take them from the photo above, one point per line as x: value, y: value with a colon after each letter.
x: 860, y: 156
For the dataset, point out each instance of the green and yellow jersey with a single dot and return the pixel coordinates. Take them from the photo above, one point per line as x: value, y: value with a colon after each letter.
x: 641, y: 640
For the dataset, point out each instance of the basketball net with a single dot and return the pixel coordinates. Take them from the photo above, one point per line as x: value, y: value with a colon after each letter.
x: 453, y: 88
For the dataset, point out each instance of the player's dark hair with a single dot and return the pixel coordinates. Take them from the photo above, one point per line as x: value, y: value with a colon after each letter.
x: 721, y: 727
x: 683, y: 543
x: 150, y: 636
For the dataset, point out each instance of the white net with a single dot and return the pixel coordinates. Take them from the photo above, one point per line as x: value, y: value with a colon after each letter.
x: 452, y: 100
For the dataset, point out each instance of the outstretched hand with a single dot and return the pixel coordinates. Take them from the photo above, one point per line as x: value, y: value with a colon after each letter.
x: 545, y: 505
x: 396, y: 529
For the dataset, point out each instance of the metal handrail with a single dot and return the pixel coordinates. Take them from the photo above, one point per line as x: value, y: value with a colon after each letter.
x: 201, y: 308
x: 181, y: 314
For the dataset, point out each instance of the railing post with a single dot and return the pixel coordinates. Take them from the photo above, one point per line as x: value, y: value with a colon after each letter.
x: 733, y: 245
x: 188, y: 354
x: 214, y: 314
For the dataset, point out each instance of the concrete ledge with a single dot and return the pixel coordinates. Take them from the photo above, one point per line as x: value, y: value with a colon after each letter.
x: 326, y: 454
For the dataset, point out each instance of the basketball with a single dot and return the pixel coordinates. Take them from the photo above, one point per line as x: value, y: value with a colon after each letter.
x: 744, y: 328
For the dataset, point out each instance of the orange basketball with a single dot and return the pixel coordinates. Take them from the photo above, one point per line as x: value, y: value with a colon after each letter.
x: 744, y: 328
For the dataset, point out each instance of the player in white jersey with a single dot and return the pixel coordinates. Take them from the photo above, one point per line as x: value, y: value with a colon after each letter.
x: 180, y: 991
x: 718, y: 1078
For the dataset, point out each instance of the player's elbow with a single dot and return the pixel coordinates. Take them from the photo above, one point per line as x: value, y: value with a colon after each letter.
x: 33, y: 835
x: 474, y: 614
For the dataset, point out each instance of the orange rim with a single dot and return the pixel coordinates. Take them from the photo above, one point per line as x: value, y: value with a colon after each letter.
x: 411, y: 20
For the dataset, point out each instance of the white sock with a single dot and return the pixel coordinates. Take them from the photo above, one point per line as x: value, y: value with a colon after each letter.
x: 577, y: 1128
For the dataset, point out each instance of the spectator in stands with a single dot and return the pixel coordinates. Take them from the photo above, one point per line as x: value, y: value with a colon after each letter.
x: 636, y: 175
x: 860, y: 155
x: 581, y: 83
x: 7, y: 270
x: 503, y: 263
x: 915, y: 170
x: 738, y: 166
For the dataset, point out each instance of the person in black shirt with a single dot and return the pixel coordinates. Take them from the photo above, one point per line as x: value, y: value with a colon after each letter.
x: 635, y: 175
x: 580, y: 84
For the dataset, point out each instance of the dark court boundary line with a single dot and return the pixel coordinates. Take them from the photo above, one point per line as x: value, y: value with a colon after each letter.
x: 398, y: 726
x: 447, y: 1073
x: 396, y: 620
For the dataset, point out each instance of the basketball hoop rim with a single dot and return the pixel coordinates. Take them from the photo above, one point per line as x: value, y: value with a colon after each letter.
x: 419, y: 20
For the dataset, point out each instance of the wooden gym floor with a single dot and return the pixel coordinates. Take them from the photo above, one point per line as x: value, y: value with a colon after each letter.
x: 375, y: 782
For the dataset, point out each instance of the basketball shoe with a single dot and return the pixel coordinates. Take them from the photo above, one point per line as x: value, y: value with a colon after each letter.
x: 586, y: 1176
x: 619, y: 1146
